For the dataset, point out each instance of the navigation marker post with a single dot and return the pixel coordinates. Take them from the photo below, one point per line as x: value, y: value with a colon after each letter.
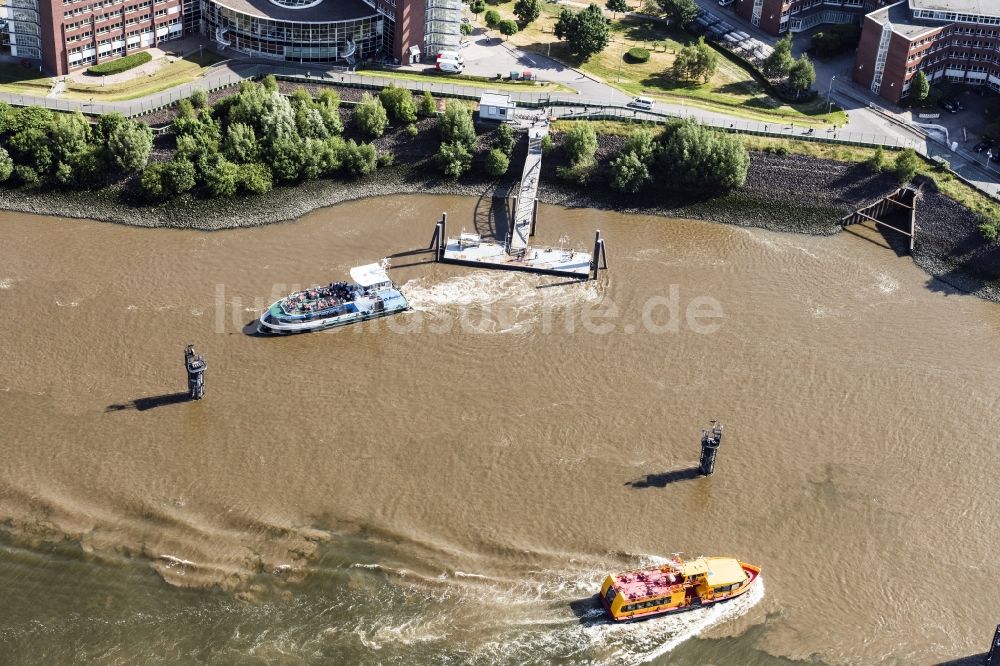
x: 195, y: 366
x: 710, y: 441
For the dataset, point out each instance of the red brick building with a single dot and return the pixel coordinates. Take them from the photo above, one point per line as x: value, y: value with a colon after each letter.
x: 953, y: 40
x: 777, y: 17
x: 62, y: 35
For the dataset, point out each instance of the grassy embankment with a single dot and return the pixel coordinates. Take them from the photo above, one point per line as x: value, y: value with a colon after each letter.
x: 19, y: 80
x: 947, y: 183
x: 732, y: 90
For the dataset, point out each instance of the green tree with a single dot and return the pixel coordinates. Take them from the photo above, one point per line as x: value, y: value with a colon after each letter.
x: 580, y: 143
x: 695, y: 62
x: 628, y: 173
x: 505, y: 139
x: 586, y: 32
x: 477, y: 7
x: 920, y: 87
x: 497, y: 162
x: 221, y: 177
x: 428, y: 107
x: 309, y: 121
x: 877, y: 161
x: 130, y: 145
x: 241, y: 143
x: 801, y: 76
x: 492, y: 18
x: 70, y: 135
x: 680, y: 12
x: 694, y: 158
x: 528, y: 10
x: 6, y: 165
x: 906, y: 165
x: 616, y: 6
x: 466, y: 29
x: 456, y: 125
x: 256, y: 178
x: 779, y: 63
x: 643, y: 144
x: 151, y: 181
x: 507, y: 27
x: 454, y: 159
x: 398, y: 102
x: 370, y: 117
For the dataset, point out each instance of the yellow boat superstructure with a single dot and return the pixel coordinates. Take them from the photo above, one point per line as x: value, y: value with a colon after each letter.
x: 676, y: 586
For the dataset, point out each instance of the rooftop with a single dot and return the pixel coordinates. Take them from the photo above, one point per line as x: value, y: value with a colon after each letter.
x: 495, y: 99
x: 903, y: 22
x: 327, y: 11
x: 981, y: 7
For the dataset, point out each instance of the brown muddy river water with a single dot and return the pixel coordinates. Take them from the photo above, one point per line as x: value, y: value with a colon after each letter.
x: 451, y: 484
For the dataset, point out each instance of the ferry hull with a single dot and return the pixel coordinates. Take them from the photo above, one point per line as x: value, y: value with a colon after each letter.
x: 752, y: 571
x: 266, y: 327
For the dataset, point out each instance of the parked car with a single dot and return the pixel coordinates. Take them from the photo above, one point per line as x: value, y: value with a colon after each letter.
x: 464, y: 43
x: 982, y: 145
x: 642, y: 103
x: 726, y: 3
x: 948, y: 106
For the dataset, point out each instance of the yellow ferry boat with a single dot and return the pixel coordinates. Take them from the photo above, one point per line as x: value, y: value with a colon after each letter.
x: 675, y: 587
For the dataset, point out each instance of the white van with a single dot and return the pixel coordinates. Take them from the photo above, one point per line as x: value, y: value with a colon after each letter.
x: 451, y: 55
x: 450, y: 66
x: 642, y: 103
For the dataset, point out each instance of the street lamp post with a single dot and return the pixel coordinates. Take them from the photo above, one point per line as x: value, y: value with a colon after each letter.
x: 829, y: 103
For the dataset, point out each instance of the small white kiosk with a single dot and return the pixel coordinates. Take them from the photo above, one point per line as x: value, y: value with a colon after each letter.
x: 496, y: 106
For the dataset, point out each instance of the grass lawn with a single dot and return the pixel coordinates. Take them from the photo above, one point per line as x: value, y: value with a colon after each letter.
x: 23, y: 80
x: 732, y: 90
x: 181, y: 71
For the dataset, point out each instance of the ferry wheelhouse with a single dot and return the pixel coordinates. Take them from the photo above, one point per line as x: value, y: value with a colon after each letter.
x: 371, y: 294
x: 675, y: 587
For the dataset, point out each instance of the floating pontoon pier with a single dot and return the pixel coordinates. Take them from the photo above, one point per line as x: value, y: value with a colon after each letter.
x: 470, y: 249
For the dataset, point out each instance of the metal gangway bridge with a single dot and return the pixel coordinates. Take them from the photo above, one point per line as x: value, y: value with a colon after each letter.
x: 526, y: 205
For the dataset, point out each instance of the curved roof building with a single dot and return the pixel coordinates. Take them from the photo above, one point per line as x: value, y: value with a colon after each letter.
x: 67, y: 34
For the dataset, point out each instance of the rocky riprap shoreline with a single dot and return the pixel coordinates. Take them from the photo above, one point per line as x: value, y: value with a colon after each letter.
x: 791, y: 193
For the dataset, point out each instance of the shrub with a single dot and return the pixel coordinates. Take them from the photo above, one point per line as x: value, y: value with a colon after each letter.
x: 179, y: 176
x: 694, y: 158
x: 628, y: 173
x: 411, y: 130
x: 26, y: 176
x: 428, y: 107
x: 221, y: 177
x: 129, y: 144
x: 151, y: 181
x: 398, y: 102
x: 120, y: 65
x: 370, y: 117
x: 466, y: 29
x: 241, y: 144
x: 6, y: 165
x: 497, y: 162
x: 636, y: 55
x: 906, y: 165
x: 199, y: 99
x: 577, y: 172
x: 989, y: 229
x: 877, y: 162
x: 580, y: 143
x: 492, y: 18
x: 360, y: 159
x: 547, y: 144
x: 453, y: 159
x: 256, y: 178
x: 505, y: 139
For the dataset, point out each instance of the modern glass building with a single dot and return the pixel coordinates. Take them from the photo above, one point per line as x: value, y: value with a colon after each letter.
x: 322, y: 31
x: 62, y: 35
